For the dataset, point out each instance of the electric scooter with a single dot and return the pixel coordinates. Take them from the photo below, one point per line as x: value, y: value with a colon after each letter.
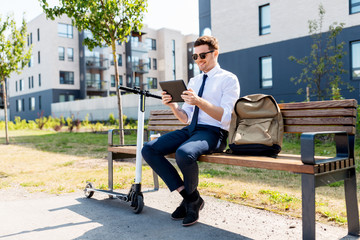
x: 135, y: 196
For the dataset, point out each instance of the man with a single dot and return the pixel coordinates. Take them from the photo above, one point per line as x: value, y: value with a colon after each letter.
x: 209, y: 102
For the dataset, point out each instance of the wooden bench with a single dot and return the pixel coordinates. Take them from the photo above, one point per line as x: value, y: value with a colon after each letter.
x: 309, y: 119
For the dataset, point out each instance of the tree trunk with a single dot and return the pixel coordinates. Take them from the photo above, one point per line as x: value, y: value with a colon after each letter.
x: 118, y: 95
x: 5, y: 109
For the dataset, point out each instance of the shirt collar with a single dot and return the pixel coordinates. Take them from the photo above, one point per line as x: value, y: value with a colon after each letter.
x: 213, y: 71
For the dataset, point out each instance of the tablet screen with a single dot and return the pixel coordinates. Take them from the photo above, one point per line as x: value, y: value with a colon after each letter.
x: 175, y: 88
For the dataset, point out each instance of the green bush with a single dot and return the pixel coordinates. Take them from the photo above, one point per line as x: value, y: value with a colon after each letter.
x: 112, y: 119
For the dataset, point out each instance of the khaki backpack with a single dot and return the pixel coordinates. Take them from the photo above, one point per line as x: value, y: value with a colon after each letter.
x: 256, y: 126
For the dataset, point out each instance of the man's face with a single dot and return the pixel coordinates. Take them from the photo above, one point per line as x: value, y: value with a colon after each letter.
x: 210, y: 60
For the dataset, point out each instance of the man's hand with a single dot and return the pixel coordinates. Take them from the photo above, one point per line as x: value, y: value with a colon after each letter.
x: 166, y: 99
x: 190, y: 97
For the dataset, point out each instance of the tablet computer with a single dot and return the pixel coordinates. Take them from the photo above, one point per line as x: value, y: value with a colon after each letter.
x: 175, y: 88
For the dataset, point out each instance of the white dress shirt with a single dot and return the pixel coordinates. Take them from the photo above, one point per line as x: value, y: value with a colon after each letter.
x: 221, y: 89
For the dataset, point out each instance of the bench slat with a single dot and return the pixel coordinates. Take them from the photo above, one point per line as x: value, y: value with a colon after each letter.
x: 319, y: 104
x: 166, y: 122
x: 161, y: 112
x: 163, y: 117
x: 164, y: 128
x: 300, y: 129
x: 262, y: 162
x: 349, y: 112
x: 320, y: 121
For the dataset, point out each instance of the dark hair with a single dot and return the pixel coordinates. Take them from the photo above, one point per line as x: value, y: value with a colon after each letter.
x: 207, y: 40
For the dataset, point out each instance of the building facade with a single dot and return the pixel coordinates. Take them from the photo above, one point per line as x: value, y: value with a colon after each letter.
x: 63, y: 69
x: 257, y: 37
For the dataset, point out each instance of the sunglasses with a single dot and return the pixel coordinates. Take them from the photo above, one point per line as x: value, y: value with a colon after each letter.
x: 201, y: 55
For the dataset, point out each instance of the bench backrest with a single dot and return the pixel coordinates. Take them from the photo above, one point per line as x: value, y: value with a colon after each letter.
x: 336, y: 115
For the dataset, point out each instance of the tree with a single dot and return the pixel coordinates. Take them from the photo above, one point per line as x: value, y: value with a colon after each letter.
x: 14, y: 55
x: 109, y: 21
x: 324, y: 66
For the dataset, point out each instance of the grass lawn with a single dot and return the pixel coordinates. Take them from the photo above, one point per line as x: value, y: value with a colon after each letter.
x: 62, y: 162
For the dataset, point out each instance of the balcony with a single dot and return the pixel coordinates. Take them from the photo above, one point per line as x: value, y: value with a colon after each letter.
x: 140, y: 67
x: 97, y: 63
x: 139, y: 47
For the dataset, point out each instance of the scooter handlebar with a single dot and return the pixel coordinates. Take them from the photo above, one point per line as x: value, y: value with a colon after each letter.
x: 138, y: 91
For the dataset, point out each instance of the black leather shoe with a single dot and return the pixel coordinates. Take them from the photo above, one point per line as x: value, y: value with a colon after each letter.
x: 192, y: 212
x: 180, y: 212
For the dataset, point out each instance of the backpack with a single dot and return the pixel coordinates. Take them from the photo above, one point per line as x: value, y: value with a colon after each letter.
x: 256, y: 126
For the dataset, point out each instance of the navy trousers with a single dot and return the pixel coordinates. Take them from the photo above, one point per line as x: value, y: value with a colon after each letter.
x: 187, y: 146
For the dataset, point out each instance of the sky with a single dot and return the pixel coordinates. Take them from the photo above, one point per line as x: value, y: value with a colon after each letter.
x: 182, y: 15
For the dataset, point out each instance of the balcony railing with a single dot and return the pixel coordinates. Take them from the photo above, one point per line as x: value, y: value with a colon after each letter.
x: 140, y: 67
x: 139, y: 47
x: 96, y: 62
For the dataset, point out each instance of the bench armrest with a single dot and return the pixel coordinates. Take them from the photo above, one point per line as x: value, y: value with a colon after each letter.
x: 308, y: 146
x: 111, y: 133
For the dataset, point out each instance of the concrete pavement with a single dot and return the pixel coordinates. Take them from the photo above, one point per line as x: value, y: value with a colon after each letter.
x: 72, y: 216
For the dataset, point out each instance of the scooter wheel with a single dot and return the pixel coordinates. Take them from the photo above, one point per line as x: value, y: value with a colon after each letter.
x: 139, y: 204
x: 88, y: 193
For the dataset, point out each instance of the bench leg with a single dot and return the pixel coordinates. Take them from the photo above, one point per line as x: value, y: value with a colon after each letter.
x: 308, y: 206
x: 352, y: 209
x: 110, y: 171
x: 156, y: 181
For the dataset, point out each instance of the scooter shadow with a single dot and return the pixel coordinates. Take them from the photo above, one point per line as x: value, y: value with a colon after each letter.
x: 117, y: 221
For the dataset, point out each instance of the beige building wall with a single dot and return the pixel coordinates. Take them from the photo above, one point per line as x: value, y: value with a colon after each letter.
x: 50, y: 65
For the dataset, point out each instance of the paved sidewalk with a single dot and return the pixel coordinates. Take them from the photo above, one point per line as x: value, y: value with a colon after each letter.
x: 73, y: 216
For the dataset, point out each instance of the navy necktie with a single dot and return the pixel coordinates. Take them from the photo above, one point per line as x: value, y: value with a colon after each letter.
x: 196, y: 111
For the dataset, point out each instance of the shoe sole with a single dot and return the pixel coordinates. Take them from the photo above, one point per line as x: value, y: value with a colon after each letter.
x: 192, y: 223
x: 177, y: 219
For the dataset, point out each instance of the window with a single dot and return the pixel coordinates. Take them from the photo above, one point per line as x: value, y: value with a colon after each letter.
x: 30, y: 38
x: 71, y: 97
x: 65, y: 30
x: 152, y: 83
x: 112, y: 81
x: 111, y: 57
x: 355, y: 60
x: 39, y: 80
x: 264, y: 19
x: 120, y: 80
x: 119, y: 60
x: 22, y: 85
x: 61, y: 98
x: 39, y: 57
x: 31, y: 82
x: 137, y: 82
x: 31, y: 62
x: 151, y: 43
x: 39, y: 102
x: 174, y: 62
x: 38, y: 34
x: 113, y: 84
x: 19, y: 105
x: 154, y: 64
x: 266, y: 72
x: 16, y: 86
x: 149, y: 63
x: 70, y: 54
x: 354, y: 6
x: 61, y: 51
x: 66, y: 77
x: 32, y: 104
x: 93, y: 81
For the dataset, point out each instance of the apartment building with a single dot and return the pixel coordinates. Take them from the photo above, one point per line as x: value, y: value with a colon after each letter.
x: 63, y: 69
x: 257, y: 37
